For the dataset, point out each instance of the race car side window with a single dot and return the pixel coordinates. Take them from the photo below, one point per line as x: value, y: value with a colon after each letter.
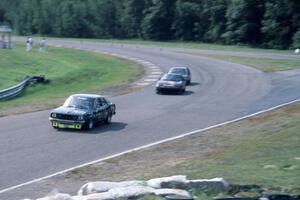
x: 97, y: 103
x: 104, y: 100
x: 102, y: 103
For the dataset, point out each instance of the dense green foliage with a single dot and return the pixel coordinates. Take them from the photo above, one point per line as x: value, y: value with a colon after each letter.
x: 264, y: 23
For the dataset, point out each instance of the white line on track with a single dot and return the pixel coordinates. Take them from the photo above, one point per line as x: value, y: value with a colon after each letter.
x: 150, y: 80
x: 151, y: 64
x: 156, y: 72
x: 143, y: 83
x: 131, y: 58
x: 155, y: 68
x: 153, y: 76
x: 139, y: 60
x: 148, y: 145
x: 146, y: 62
x: 114, y: 54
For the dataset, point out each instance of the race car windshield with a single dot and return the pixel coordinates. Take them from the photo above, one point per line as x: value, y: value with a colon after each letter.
x: 172, y: 77
x: 179, y: 71
x: 79, y: 102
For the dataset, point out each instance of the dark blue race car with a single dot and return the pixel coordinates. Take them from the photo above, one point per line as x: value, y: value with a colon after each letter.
x: 82, y: 111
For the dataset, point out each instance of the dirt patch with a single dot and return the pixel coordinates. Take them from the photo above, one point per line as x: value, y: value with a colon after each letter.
x: 288, y: 110
x: 264, y: 118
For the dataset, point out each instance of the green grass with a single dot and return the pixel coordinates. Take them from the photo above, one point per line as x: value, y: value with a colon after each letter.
x: 263, y: 64
x: 264, y: 150
x: 70, y: 71
x: 266, y: 158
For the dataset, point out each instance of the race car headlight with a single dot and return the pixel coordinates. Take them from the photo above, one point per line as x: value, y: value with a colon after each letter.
x: 53, y: 115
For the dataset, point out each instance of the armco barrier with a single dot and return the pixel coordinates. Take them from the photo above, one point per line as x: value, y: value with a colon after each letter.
x: 15, y: 90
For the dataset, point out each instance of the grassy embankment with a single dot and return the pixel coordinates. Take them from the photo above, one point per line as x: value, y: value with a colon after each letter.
x: 262, y: 150
x: 193, y: 45
x: 70, y: 71
x: 263, y: 64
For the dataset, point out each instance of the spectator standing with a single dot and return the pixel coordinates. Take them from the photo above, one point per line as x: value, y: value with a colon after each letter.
x: 42, y: 45
x: 27, y: 44
x: 30, y: 43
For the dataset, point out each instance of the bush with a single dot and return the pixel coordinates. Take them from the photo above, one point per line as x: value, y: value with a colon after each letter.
x: 296, y: 39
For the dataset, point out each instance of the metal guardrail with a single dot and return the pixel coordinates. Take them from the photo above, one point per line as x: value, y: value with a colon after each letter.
x: 15, y: 90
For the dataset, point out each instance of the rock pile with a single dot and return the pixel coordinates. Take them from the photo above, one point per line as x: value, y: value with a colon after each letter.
x: 171, y: 188
x: 165, y: 186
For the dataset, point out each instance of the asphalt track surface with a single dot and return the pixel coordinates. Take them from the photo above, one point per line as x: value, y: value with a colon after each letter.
x: 220, y: 91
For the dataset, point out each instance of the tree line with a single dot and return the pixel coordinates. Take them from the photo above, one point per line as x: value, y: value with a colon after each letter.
x: 260, y: 23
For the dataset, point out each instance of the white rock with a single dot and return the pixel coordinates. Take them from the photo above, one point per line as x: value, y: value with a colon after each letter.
x: 156, y: 182
x: 104, y: 186
x: 216, y: 184
x: 95, y: 196
x: 132, y: 191
x: 58, y: 196
x: 297, y: 50
x: 263, y: 198
x: 165, y: 192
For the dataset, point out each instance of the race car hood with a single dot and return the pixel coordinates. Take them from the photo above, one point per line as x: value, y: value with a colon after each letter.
x: 167, y: 82
x: 70, y: 111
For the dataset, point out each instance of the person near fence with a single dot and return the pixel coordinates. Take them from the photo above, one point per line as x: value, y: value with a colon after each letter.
x: 29, y: 44
x: 42, y: 45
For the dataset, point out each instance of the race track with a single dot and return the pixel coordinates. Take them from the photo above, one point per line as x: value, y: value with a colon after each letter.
x: 220, y: 91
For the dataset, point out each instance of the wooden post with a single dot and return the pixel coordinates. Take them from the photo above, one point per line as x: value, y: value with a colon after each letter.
x: 2, y: 41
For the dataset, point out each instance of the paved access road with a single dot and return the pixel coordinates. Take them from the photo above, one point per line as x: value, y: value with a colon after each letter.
x: 220, y: 91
